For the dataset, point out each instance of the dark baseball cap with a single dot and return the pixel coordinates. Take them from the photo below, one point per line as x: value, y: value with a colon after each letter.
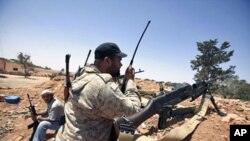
x: 108, y: 49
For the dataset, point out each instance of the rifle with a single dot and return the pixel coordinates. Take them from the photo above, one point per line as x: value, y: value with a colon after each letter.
x: 87, y: 58
x: 33, y: 113
x: 67, y: 81
x: 157, y: 105
x: 78, y: 72
x: 123, y: 86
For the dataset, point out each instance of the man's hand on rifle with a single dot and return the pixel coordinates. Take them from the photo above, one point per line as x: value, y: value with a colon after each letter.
x: 130, y: 73
x: 34, y: 118
x: 27, y: 116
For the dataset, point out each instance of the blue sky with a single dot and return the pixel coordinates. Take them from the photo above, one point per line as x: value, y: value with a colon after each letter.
x: 49, y: 29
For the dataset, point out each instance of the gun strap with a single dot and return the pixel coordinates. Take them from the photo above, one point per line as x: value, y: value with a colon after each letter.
x: 136, y: 137
x: 180, y: 133
x: 176, y: 134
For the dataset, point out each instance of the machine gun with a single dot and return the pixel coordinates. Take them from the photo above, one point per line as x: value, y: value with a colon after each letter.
x: 33, y: 114
x: 169, y: 111
x: 157, y: 104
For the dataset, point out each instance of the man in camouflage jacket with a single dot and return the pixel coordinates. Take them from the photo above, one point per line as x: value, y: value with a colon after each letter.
x: 95, y: 99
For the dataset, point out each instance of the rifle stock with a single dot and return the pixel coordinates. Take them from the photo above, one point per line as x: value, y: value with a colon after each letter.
x: 123, y: 86
x: 156, y: 105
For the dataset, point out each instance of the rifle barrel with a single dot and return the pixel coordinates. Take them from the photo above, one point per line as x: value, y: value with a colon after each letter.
x: 123, y: 86
x: 68, y: 83
x: 132, y: 60
x: 29, y: 99
x: 122, y: 76
x: 87, y: 58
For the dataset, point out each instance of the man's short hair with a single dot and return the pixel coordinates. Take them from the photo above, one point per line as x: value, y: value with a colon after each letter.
x: 108, y: 49
x: 47, y: 92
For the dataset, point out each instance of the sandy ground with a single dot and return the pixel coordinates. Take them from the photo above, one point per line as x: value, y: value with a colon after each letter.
x: 15, y: 81
x: 13, y: 127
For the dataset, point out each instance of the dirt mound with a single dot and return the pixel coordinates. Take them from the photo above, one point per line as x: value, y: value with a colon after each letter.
x: 14, y: 127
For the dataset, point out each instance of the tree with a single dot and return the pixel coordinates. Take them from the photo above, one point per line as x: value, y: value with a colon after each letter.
x: 233, y: 87
x: 24, y: 59
x: 208, y: 62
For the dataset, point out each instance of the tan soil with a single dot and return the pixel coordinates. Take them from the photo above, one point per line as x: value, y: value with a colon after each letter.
x: 13, y: 127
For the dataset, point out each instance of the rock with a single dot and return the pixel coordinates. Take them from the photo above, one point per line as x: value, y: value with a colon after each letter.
x: 19, y: 138
x: 57, y: 79
x: 143, y: 125
x: 24, y: 111
x: 13, y: 116
x: 235, y: 100
x: 10, y: 128
x: 11, y: 112
x: 229, y: 118
x: 247, y: 117
x: 239, y: 109
x: 224, y: 137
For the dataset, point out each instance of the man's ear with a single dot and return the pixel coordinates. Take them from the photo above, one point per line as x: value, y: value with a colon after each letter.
x: 107, y: 60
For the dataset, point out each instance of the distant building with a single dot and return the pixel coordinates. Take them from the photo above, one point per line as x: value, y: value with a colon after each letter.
x: 7, y: 66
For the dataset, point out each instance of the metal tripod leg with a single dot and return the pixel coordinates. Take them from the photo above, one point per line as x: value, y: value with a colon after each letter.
x: 209, y: 96
x: 215, y: 106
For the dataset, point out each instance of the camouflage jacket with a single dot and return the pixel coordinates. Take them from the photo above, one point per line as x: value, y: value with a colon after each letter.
x: 95, y: 99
